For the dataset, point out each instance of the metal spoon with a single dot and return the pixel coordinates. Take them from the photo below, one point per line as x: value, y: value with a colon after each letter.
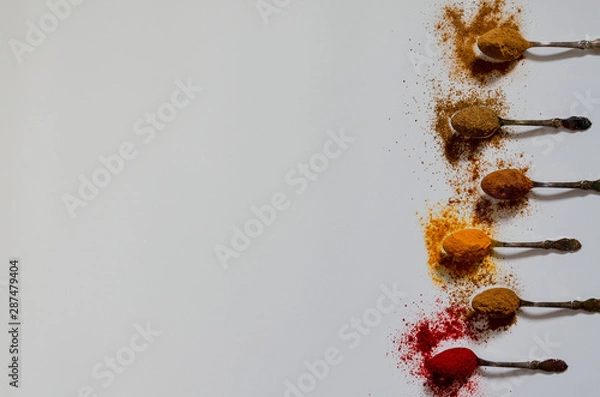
x: 504, y: 44
x: 480, y: 122
x: 458, y: 363
x: 512, y: 184
x: 472, y: 245
x: 511, y: 302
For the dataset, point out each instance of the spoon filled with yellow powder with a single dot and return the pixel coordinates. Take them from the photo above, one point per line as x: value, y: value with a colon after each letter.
x: 505, y: 44
x: 500, y: 303
x: 480, y: 122
x: 472, y: 245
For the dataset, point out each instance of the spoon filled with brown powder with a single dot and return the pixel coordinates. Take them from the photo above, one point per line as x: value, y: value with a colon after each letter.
x: 512, y: 184
x: 480, y: 122
x: 505, y: 44
x: 501, y: 303
x: 472, y: 245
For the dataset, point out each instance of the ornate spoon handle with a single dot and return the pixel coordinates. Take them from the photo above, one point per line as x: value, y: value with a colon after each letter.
x: 585, y: 185
x: 591, y: 305
x: 563, y: 244
x: 550, y: 365
x: 582, y: 44
x: 575, y: 123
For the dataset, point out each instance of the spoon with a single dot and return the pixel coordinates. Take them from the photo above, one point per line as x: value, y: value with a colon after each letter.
x: 512, y: 184
x: 480, y: 122
x: 472, y: 245
x: 504, y: 44
x: 460, y: 362
x: 501, y: 303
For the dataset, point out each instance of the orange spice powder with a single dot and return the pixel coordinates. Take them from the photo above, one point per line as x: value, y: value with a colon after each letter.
x: 439, y: 225
x: 459, y: 282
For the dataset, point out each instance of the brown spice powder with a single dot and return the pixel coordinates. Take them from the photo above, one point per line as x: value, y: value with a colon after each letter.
x: 476, y: 122
x: 455, y: 146
x: 461, y: 33
x: 508, y: 184
x: 503, y: 44
x: 496, y: 303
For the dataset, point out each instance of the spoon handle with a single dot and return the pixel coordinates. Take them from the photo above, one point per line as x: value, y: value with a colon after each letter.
x: 574, y: 123
x: 582, y: 44
x: 585, y: 185
x: 563, y: 244
x: 591, y: 305
x: 550, y: 365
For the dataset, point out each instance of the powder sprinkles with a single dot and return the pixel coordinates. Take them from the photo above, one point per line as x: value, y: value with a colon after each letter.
x: 461, y: 33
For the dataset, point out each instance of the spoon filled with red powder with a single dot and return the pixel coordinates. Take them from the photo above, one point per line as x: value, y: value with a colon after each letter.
x: 505, y: 44
x: 459, y: 363
x: 478, y: 122
x: 512, y: 184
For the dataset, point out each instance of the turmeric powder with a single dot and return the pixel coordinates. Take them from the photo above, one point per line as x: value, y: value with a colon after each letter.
x: 503, y: 44
x: 467, y: 245
x: 508, y: 184
x: 496, y: 303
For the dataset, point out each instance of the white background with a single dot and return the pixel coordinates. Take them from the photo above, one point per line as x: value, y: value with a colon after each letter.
x: 143, y: 249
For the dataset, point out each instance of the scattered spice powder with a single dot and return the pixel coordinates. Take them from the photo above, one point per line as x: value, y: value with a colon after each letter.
x: 455, y: 146
x: 419, y: 340
x: 443, y: 269
x: 487, y: 211
x: 469, y: 159
x: 458, y: 280
x: 461, y: 32
x: 508, y: 184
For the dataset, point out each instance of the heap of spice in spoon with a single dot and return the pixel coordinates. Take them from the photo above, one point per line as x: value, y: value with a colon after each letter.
x: 472, y: 245
x: 512, y: 184
x: 478, y: 122
x: 499, y: 303
x: 459, y: 363
x: 504, y: 44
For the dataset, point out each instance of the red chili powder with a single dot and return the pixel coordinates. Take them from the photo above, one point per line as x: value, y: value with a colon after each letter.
x: 415, y: 347
x: 452, y: 365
